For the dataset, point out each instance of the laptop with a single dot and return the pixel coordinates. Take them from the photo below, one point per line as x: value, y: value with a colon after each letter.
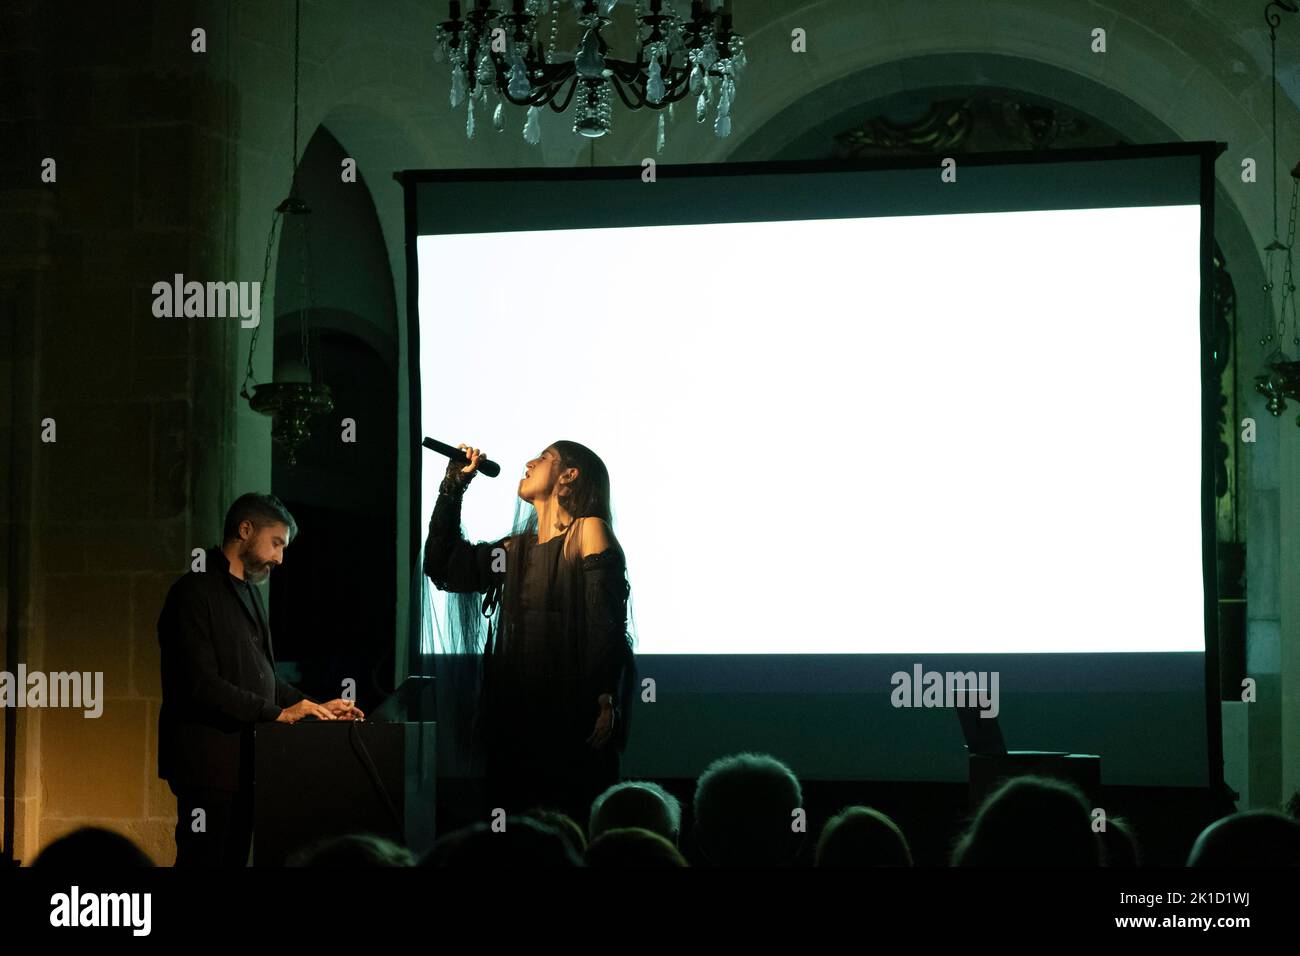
x: 984, y: 736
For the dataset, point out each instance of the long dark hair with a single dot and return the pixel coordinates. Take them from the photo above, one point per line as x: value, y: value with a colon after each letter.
x: 588, y: 494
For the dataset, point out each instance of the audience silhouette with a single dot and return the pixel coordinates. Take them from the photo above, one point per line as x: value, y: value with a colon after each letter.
x: 521, y: 842
x: 356, y: 849
x: 1119, y: 844
x: 637, y: 803
x: 565, y: 825
x: 748, y: 811
x: 632, y: 847
x: 746, y: 807
x: 1030, y: 821
x: 92, y: 848
x: 862, y: 836
x: 1252, y: 838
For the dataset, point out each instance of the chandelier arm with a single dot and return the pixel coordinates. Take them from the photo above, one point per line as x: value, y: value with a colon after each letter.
x: 540, y: 96
x: 633, y: 72
x: 673, y: 91
x: 542, y: 99
x: 625, y: 71
x: 552, y: 73
x: 618, y: 88
x: 567, y: 99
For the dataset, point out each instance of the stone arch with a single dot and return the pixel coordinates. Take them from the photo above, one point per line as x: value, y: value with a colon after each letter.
x: 363, y: 123
x: 351, y: 282
x: 842, y: 102
x: 1200, y: 76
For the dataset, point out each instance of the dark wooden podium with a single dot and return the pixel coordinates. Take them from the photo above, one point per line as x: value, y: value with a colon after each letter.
x: 317, y: 779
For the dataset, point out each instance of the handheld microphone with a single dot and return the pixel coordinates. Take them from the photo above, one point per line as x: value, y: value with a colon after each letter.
x: 485, y: 465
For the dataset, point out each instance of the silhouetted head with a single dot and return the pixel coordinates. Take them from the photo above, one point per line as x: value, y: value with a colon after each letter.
x: 1030, y: 822
x: 356, y: 849
x: 744, y: 811
x: 1119, y: 845
x: 563, y: 824
x: 862, y: 836
x: 1252, y: 838
x: 637, y: 803
x: 633, y: 847
x: 92, y: 848
x: 523, y: 843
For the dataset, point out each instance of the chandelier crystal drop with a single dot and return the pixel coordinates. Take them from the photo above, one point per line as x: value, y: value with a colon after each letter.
x: 509, y: 46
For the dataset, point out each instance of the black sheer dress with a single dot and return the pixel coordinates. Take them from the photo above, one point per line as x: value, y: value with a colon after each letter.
x: 557, y: 640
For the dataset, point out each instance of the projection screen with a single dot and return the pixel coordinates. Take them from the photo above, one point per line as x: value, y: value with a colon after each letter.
x: 859, y: 419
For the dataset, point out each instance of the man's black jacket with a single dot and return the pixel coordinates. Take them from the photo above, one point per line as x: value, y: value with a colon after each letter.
x: 210, y: 643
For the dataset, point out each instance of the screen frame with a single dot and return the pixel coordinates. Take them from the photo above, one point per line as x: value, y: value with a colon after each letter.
x: 1207, y: 151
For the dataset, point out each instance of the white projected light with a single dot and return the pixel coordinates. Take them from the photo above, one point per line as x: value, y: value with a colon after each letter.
x: 930, y: 434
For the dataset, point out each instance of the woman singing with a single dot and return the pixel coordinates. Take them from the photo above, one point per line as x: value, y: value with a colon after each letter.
x: 558, y: 668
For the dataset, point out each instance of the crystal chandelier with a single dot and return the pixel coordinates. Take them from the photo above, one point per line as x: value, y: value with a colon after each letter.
x: 502, y: 56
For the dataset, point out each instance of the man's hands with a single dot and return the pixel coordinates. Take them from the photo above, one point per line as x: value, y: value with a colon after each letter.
x: 337, y: 709
x: 604, y: 723
x: 344, y: 709
x: 304, y: 708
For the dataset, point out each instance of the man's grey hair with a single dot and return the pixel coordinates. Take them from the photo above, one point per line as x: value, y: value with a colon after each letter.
x: 757, y: 770
x: 259, y: 509
x: 744, y: 804
x: 672, y: 806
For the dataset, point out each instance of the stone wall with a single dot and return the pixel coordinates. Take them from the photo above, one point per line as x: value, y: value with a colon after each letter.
x: 139, y: 467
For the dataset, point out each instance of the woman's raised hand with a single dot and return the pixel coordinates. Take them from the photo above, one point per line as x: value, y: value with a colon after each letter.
x: 458, y: 475
x: 474, y: 455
